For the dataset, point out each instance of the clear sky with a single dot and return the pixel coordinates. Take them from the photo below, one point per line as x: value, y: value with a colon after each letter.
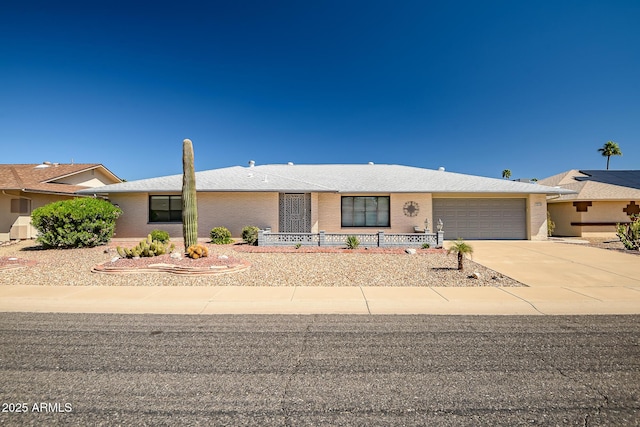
x: 475, y: 86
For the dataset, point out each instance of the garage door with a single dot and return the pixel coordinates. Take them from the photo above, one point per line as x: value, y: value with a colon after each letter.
x: 482, y: 218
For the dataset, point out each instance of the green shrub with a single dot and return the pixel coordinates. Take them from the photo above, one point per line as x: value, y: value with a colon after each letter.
x: 352, y: 242
x: 146, y: 248
x: 160, y: 236
x: 221, y: 236
x: 426, y: 246
x: 250, y: 234
x: 75, y: 223
x: 629, y: 234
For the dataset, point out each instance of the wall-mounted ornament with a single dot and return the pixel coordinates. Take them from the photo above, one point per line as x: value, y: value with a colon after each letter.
x: 411, y: 209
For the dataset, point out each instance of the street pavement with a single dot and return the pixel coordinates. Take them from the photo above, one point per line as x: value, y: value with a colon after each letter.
x: 560, y: 279
x: 277, y: 370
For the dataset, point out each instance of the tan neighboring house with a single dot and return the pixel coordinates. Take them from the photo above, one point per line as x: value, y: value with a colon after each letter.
x: 337, y: 198
x: 601, y: 199
x: 25, y: 187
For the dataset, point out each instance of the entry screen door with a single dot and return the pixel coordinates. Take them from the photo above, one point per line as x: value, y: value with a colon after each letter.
x: 295, y: 213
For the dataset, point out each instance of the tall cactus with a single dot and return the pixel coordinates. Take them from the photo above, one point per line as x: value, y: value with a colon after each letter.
x: 189, y: 203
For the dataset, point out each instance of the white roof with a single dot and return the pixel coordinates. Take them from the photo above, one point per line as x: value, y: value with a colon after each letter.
x: 367, y: 178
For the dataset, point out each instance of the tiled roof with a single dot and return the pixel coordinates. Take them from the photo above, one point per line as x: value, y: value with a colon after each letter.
x: 40, y: 177
x: 592, y: 185
x: 332, y: 178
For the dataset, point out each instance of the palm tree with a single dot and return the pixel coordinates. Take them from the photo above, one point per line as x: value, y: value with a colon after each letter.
x: 461, y: 248
x: 506, y: 174
x: 609, y: 149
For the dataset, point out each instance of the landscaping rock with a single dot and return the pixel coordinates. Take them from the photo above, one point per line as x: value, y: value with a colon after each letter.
x: 410, y: 251
x: 176, y: 255
x: 475, y: 275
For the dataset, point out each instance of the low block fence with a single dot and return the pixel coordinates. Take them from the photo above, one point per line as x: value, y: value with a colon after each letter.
x: 379, y: 239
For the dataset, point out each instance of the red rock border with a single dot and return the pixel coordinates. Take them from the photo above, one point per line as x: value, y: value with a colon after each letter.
x: 237, y: 267
x: 6, y: 263
x: 241, y: 265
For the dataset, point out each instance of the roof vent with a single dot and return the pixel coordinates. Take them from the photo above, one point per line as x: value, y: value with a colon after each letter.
x: 252, y: 163
x: 441, y: 168
x: 371, y: 163
x: 290, y: 163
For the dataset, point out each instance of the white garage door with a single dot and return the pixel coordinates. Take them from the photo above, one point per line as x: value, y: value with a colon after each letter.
x: 482, y: 218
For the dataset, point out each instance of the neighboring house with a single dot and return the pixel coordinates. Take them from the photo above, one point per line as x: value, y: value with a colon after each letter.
x: 337, y: 198
x: 24, y: 188
x: 602, y: 199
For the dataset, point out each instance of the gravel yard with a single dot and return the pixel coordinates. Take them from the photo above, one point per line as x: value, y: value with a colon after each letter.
x: 72, y: 267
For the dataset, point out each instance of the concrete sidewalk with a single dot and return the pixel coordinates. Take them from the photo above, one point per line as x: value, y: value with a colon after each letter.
x: 561, y: 279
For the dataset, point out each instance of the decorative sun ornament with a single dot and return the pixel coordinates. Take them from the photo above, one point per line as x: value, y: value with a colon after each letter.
x: 411, y: 209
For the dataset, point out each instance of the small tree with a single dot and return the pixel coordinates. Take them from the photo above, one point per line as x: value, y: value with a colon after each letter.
x: 75, y: 223
x: 551, y: 226
x: 506, y: 174
x: 609, y: 149
x: 460, y: 248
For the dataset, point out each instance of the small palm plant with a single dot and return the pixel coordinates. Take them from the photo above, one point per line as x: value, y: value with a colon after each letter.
x: 461, y: 248
x: 352, y: 242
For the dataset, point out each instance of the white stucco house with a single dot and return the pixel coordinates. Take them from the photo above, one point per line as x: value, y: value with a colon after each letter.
x: 352, y: 198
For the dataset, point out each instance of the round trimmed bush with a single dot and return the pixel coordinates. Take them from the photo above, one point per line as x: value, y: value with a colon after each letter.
x: 160, y: 235
x: 250, y: 234
x: 221, y: 236
x: 75, y: 223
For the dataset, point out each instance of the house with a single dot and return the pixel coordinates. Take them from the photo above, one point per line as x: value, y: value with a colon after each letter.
x: 601, y: 199
x: 25, y: 187
x: 355, y: 198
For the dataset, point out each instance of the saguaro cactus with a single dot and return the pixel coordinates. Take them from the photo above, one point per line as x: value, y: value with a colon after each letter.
x: 189, y: 202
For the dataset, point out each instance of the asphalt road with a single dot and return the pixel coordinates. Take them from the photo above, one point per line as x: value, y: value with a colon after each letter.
x: 80, y: 369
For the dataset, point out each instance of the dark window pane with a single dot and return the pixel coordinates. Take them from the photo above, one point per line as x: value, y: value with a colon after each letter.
x: 165, y: 208
x: 365, y: 211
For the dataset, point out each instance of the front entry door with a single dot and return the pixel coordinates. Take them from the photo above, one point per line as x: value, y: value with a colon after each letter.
x: 295, y: 213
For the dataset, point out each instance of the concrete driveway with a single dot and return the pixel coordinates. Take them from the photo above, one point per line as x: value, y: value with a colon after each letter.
x: 558, y: 264
x: 566, y: 278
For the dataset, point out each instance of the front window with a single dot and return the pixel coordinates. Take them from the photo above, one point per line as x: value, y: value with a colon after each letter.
x: 365, y: 211
x: 165, y: 208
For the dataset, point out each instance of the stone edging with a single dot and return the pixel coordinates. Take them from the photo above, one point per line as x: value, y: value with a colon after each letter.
x: 241, y: 265
x: 19, y: 263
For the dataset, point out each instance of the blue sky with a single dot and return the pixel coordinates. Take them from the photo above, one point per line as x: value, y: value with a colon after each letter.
x: 474, y: 86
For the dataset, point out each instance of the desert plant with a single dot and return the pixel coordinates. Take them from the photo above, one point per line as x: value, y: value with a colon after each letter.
x: 550, y: 225
x: 160, y: 236
x: 197, y: 251
x: 298, y: 245
x: 250, y: 234
x: 352, y: 242
x: 75, y: 223
x: 221, y: 236
x: 629, y: 234
x: 146, y: 248
x: 609, y: 149
x: 189, y: 202
x: 426, y: 246
x: 460, y: 248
